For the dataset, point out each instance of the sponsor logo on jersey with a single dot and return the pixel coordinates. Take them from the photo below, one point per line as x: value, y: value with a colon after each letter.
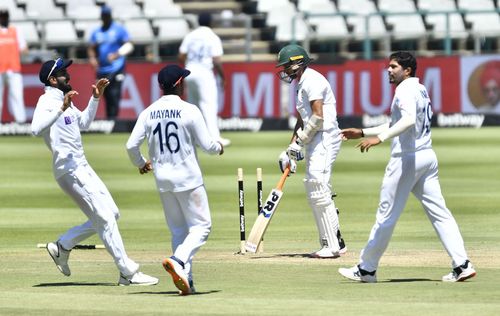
x: 67, y: 120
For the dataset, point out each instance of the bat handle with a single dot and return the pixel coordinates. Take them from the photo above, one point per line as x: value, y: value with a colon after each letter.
x: 286, y: 172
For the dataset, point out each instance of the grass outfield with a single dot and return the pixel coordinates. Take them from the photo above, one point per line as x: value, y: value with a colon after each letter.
x: 280, y: 281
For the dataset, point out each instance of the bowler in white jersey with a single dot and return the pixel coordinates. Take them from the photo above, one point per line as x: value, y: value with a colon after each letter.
x: 413, y: 167
x: 59, y: 122
x: 201, y: 52
x: 172, y: 129
x: 318, y: 132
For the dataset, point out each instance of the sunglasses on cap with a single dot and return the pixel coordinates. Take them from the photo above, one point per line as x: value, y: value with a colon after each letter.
x: 58, y: 63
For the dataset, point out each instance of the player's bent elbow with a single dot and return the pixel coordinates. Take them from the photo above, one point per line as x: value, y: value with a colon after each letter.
x: 36, y: 132
x: 130, y: 146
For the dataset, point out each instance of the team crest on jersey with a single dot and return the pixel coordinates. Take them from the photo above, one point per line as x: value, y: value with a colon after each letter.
x: 67, y: 120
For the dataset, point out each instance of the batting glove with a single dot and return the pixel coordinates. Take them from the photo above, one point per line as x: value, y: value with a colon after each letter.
x: 294, y: 151
x: 284, y: 161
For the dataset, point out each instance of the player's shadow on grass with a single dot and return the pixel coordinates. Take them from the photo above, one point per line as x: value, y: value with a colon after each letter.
x: 289, y: 255
x: 408, y: 280
x: 73, y: 284
x: 176, y: 293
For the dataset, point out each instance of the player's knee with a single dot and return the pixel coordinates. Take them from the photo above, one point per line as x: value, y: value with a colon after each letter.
x: 317, y: 192
x: 201, y: 230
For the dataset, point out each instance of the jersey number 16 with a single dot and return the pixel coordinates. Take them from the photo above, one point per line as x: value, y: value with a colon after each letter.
x: 170, y: 137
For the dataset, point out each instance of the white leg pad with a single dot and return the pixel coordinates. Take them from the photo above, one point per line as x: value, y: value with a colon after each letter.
x: 325, y: 213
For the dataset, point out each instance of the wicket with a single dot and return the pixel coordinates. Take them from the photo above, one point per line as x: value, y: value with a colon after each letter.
x: 241, y: 201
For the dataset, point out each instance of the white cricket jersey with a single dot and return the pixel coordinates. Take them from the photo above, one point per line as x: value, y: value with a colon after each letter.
x: 172, y: 128
x: 411, y: 98
x: 314, y: 86
x: 61, y: 130
x: 201, y: 46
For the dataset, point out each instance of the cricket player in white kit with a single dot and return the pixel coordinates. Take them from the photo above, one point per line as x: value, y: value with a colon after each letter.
x: 413, y: 167
x: 201, y: 52
x: 172, y: 128
x: 59, y: 122
x: 317, y: 130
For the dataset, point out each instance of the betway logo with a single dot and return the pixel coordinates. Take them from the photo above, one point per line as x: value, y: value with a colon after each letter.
x: 239, y: 124
x: 459, y: 119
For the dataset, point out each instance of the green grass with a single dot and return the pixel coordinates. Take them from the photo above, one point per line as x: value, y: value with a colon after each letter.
x: 280, y: 281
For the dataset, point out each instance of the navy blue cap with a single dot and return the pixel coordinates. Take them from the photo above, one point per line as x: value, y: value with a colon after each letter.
x: 169, y: 76
x: 105, y: 9
x: 51, y: 67
x: 204, y: 19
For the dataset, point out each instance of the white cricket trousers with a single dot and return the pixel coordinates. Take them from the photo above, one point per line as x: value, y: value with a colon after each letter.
x: 94, y: 199
x: 187, y: 214
x: 202, y: 91
x: 417, y: 173
x: 15, y: 100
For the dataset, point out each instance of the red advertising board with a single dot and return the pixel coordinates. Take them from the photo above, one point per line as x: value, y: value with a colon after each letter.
x: 254, y: 90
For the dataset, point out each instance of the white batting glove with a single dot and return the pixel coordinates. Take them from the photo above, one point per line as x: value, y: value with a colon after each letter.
x: 284, y: 161
x: 294, y: 151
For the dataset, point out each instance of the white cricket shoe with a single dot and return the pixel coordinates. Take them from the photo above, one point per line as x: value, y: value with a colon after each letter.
x: 225, y: 142
x: 460, y: 273
x: 179, y: 276
x: 357, y: 274
x: 137, y: 278
x: 325, y: 253
x: 60, y: 257
x: 343, y: 251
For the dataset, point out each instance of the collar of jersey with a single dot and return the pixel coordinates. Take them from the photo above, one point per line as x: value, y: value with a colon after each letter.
x: 55, y: 92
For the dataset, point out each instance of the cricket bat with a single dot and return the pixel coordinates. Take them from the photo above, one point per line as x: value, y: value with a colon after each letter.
x: 266, y: 213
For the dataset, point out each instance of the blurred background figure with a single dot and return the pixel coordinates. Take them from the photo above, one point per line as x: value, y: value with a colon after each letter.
x: 12, y: 45
x: 201, y: 52
x: 109, y: 46
x: 490, y: 86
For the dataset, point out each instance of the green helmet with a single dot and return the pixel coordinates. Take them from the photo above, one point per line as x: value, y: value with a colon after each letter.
x: 292, y: 53
x: 293, y: 58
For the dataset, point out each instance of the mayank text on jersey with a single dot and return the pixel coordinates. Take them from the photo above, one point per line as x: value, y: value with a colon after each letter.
x: 163, y: 114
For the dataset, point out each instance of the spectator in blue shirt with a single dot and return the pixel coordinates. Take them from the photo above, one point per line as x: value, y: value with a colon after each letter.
x: 109, y: 45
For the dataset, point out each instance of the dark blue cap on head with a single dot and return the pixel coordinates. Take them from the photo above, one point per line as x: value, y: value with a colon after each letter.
x: 49, y: 68
x: 105, y: 9
x: 170, y: 76
x: 204, y: 19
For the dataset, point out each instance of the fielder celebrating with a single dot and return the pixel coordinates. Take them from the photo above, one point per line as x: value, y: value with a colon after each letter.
x: 172, y: 128
x: 317, y: 130
x: 413, y: 167
x: 59, y: 122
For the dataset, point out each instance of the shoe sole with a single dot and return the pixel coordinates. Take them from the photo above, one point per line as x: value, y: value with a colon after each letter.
x: 55, y: 262
x: 320, y: 257
x: 180, y: 283
x: 138, y: 284
x: 466, y: 277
